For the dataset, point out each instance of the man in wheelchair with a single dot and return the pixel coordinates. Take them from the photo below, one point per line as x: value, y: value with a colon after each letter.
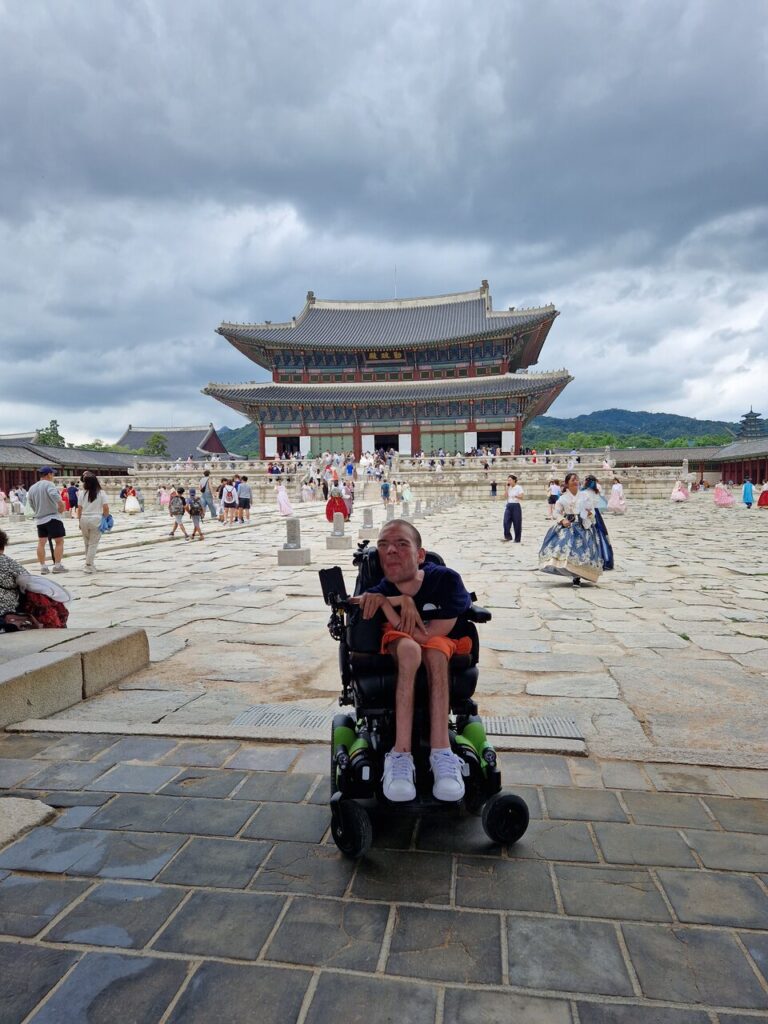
x: 402, y: 595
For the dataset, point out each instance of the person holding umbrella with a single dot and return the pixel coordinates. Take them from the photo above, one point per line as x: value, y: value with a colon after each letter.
x: 47, y: 505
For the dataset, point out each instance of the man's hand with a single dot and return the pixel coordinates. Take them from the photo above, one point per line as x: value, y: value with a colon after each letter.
x: 369, y: 603
x: 410, y: 620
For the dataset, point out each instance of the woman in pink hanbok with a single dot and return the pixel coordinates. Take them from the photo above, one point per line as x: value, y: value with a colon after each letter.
x: 679, y: 492
x: 723, y: 497
x: 617, y: 502
x: 283, y: 502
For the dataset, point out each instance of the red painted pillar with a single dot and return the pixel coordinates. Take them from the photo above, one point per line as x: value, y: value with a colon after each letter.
x: 357, y: 441
x: 518, y: 435
x: 415, y: 436
x: 262, y: 441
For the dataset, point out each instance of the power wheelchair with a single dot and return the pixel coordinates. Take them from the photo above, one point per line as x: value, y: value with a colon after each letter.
x: 359, y: 740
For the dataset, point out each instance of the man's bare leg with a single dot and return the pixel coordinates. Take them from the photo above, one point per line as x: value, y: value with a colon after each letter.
x: 398, y: 781
x: 41, y: 550
x: 446, y: 766
x: 407, y: 654
x: 439, y: 703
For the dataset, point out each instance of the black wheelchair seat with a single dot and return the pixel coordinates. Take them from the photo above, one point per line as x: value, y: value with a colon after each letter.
x: 375, y: 677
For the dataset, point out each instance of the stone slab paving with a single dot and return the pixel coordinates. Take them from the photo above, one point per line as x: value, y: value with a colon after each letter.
x: 195, y: 881
x: 665, y: 660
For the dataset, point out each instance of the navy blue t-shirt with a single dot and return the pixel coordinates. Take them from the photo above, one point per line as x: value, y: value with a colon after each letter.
x: 442, y: 590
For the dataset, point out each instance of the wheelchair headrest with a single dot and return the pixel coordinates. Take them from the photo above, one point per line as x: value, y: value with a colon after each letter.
x: 369, y: 567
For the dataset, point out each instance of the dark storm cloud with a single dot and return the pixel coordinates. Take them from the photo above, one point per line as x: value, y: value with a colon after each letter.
x: 165, y: 166
x: 568, y: 121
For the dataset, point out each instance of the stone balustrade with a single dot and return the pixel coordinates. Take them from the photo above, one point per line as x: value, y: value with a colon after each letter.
x: 465, y: 478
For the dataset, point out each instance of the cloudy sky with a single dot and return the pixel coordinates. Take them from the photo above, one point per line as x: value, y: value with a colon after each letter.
x: 166, y: 165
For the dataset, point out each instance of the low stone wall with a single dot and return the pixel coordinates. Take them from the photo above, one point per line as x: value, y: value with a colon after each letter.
x: 468, y: 482
x: 43, y: 672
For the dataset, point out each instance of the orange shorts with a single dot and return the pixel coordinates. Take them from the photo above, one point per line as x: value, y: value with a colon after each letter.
x: 444, y: 644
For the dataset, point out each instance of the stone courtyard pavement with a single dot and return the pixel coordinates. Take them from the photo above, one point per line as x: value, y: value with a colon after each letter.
x: 665, y: 660
x: 195, y: 881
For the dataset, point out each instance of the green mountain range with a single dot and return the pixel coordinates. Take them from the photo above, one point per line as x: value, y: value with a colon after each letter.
x: 621, y: 428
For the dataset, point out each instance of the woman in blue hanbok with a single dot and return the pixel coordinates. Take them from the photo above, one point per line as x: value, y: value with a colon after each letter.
x: 572, y: 547
x: 606, y: 551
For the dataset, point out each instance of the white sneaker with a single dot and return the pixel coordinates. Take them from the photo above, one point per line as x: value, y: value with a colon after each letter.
x: 398, y: 777
x: 59, y: 568
x: 44, y: 570
x: 446, y: 769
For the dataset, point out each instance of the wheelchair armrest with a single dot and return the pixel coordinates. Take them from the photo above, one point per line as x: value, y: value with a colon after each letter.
x: 476, y: 613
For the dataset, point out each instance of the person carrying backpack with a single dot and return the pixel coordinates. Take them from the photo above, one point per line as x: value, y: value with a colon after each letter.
x: 176, y: 508
x: 229, y: 502
x: 196, y: 510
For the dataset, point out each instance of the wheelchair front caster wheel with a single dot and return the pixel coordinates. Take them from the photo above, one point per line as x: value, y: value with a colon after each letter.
x: 505, y: 818
x: 351, y: 829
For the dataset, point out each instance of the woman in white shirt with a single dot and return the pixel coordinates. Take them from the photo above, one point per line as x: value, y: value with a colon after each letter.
x: 91, y: 506
x: 513, y: 513
x: 571, y: 547
x: 554, y: 494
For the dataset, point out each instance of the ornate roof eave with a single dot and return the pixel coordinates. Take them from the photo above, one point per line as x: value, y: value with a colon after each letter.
x: 249, y: 346
x: 515, y: 385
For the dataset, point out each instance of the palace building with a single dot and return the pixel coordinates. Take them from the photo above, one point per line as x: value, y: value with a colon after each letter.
x: 446, y: 371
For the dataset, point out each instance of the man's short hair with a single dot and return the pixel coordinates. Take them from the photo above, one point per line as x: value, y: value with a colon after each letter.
x: 403, y: 522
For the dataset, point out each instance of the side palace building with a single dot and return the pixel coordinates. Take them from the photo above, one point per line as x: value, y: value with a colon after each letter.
x: 446, y: 371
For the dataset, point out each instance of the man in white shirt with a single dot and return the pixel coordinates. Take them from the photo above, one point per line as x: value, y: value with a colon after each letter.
x: 513, y: 513
x: 48, y: 506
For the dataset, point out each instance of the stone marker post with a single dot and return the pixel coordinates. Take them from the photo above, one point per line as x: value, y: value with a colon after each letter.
x: 406, y: 513
x: 417, y: 512
x: 337, y: 539
x: 292, y: 553
x: 368, y: 531
x: 390, y: 513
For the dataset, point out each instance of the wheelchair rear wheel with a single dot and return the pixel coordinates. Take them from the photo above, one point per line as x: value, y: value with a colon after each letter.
x: 351, y: 829
x: 505, y: 818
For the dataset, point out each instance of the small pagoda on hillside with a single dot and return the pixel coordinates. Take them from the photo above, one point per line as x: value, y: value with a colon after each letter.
x: 752, y: 425
x: 445, y: 371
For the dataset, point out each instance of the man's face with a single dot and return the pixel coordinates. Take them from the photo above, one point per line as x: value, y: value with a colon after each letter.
x: 399, y: 554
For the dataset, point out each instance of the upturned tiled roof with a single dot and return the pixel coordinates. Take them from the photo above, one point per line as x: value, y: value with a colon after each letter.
x: 754, y: 448
x: 180, y: 441
x: 30, y: 456
x: 390, y: 323
x: 511, y: 384
x: 17, y: 439
x: 82, y: 458
x: 661, y: 456
x: 16, y: 456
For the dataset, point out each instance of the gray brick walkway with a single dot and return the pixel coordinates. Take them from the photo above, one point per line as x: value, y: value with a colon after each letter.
x: 188, y: 882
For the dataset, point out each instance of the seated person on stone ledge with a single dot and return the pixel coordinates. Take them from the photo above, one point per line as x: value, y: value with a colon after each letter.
x: 10, y: 570
x: 405, y: 591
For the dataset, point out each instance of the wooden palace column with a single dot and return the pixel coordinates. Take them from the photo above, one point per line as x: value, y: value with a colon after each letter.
x: 262, y: 441
x: 415, y: 432
x: 518, y: 434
